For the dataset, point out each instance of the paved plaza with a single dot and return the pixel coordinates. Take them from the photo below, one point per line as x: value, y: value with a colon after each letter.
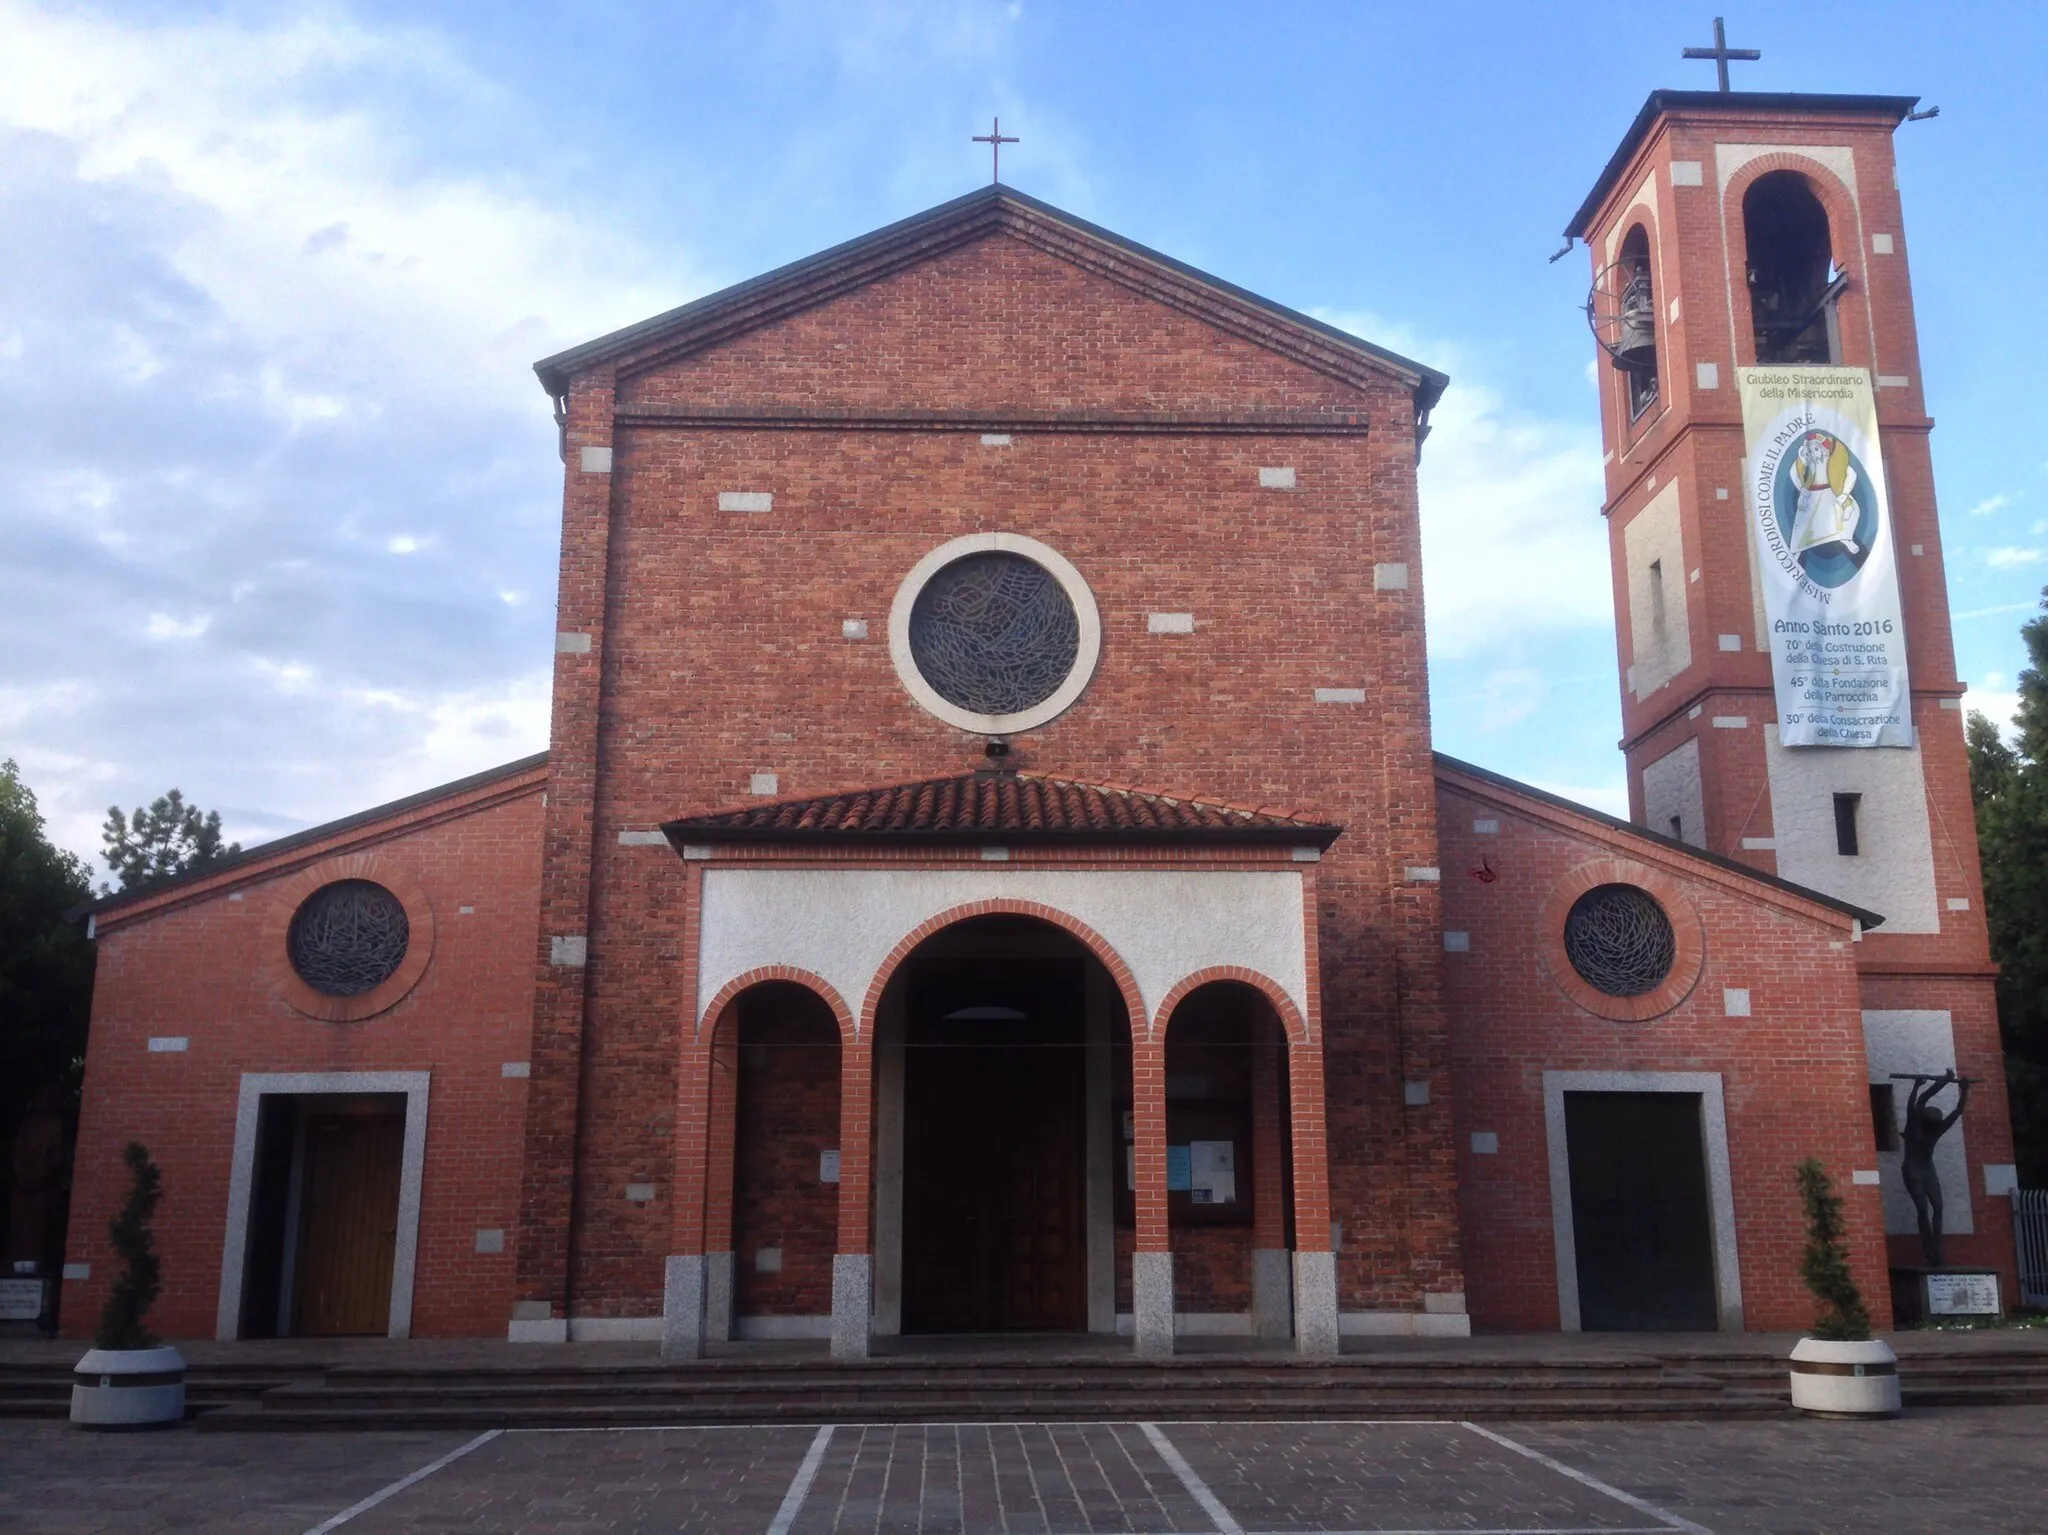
x: 1958, y: 1470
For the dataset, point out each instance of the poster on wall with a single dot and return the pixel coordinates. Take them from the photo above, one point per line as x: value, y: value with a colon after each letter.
x: 1822, y: 529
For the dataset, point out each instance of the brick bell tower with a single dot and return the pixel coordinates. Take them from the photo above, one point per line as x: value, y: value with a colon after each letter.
x: 1734, y: 230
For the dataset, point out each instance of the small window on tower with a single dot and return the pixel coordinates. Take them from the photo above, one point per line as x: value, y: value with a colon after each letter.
x: 1677, y: 829
x: 1793, y: 280
x: 1657, y: 594
x: 1884, y: 1123
x: 1846, y: 806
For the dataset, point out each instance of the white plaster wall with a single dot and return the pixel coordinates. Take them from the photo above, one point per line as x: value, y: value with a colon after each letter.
x: 1918, y: 1039
x: 1660, y: 642
x: 1893, y: 874
x: 1671, y: 787
x: 840, y: 924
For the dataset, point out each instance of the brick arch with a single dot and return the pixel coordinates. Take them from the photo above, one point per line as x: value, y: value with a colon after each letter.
x: 1291, y: 1022
x: 1843, y: 217
x: 1641, y: 214
x: 816, y: 984
x: 1094, y: 942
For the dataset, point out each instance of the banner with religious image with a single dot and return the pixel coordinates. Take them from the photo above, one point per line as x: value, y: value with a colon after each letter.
x: 1822, y: 529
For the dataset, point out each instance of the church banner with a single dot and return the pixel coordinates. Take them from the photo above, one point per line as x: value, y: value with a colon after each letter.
x: 1822, y: 530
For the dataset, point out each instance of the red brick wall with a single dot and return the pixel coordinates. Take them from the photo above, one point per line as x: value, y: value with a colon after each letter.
x: 787, y: 1113
x: 1792, y: 1072
x: 203, y: 962
x: 717, y: 654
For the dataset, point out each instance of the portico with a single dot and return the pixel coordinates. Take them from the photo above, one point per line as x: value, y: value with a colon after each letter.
x: 1017, y: 969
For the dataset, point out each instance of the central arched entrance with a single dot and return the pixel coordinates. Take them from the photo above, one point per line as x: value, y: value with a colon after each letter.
x: 1003, y: 1047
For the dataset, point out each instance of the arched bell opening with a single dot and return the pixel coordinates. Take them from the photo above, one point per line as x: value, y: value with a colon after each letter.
x: 1229, y: 1157
x: 1793, y: 279
x: 1001, y: 1046
x: 1636, y: 340
x: 775, y: 1075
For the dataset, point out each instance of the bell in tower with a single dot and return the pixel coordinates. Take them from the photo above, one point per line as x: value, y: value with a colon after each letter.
x: 1622, y: 310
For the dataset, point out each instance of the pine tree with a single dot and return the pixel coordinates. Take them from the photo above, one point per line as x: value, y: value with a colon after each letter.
x: 1825, y: 1266
x: 168, y: 839
x: 2009, y: 784
x: 141, y: 1277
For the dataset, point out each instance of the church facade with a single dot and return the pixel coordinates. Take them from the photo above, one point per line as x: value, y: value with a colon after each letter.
x: 990, y: 871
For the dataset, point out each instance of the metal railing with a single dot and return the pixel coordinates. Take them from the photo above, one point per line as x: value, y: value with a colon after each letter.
x: 2030, y: 1236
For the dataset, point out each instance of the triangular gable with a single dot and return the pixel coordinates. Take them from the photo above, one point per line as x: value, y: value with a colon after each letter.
x: 281, y: 855
x: 1630, y: 840
x: 831, y: 274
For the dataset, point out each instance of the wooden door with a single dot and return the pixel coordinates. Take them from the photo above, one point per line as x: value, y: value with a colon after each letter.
x: 1640, y: 1224
x: 992, y: 1185
x: 348, y: 1223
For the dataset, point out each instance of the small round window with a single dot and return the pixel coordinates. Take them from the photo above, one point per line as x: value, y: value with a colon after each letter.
x: 348, y: 938
x: 1619, y: 940
x: 994, y: 633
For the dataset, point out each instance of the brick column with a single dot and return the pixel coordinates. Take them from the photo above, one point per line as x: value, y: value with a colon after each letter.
x: 1152, y: 1255
x: 721, y: 1137
x: 682, y: 1286
x: 1272, y: 1305
x: 1315, y: 1265
x: 547, y: 1200
x: 853, y: 1264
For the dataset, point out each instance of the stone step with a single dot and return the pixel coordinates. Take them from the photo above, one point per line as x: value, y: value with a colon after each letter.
x: 244, y: 1416
x: 952, y: 1403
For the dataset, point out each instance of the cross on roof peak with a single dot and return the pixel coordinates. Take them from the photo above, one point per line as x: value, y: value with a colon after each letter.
x: 995, y: 138
x: 1721, y: 53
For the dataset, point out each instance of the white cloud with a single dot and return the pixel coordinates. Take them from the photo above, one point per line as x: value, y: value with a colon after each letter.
x: 1994, y: 703
x: 1610, y: 797
x: 1513, y: 543
x: 316, y: 229
x: 2009, y: 558
x: 1989, y: 505
x: 1513, y: 694
x: 281, y: 329
x: 162, y: 626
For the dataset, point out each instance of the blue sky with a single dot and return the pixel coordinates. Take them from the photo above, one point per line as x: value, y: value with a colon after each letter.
x: 278, y: 493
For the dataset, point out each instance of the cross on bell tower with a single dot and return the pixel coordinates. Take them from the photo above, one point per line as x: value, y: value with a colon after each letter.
x: 1721, y: 53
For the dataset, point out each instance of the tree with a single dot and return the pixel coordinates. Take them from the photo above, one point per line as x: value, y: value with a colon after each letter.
x: 45, y: 964
x: 168, y: 839
x: 1825, y: 1264
x: 141, y: 1277
x: 2009, y: 784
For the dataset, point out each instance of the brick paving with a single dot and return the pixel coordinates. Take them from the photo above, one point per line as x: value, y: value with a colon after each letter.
x: 1960, y: 1470
x: 57, y: 1480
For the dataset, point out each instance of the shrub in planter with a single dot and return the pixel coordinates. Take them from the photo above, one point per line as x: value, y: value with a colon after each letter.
x: 1839, y: 1370
x: 129, y: 1379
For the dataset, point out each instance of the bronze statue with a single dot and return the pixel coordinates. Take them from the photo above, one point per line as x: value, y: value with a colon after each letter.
x: 1926, y: 1124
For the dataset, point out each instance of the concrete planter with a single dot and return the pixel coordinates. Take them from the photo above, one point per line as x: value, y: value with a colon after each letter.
x: 1845, y: 1380
x: 129, y: 1388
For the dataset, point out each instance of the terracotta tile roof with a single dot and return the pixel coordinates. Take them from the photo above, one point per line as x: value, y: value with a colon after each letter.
x: 986, y: 807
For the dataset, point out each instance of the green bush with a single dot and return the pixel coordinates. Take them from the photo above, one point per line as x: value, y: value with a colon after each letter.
x: 141, y: 1277
x: 1825, y: 1267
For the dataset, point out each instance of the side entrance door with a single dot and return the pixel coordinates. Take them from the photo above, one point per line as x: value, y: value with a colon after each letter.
x: 348, y: 1223
x: 1640, y: 1222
